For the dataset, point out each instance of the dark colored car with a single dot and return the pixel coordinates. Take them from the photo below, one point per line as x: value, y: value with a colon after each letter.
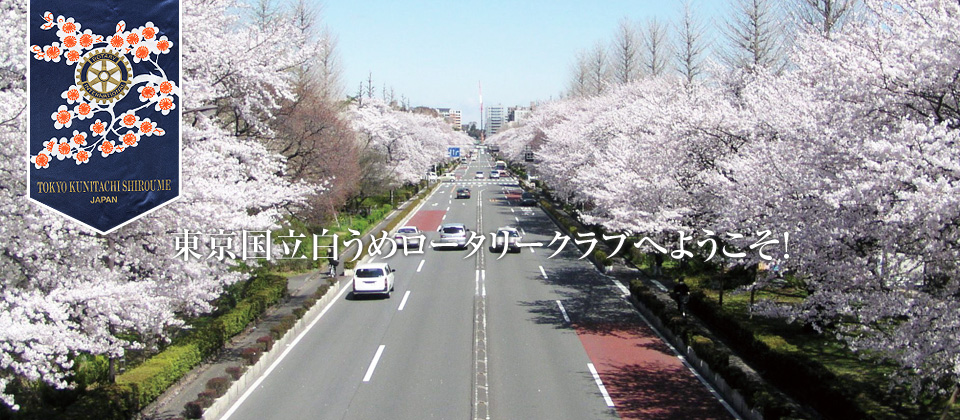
x: 463, y: 193
x: 528, y: 199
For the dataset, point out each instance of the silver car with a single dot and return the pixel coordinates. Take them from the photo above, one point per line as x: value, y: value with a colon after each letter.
x: 452, y: 235
x: 408, y: 235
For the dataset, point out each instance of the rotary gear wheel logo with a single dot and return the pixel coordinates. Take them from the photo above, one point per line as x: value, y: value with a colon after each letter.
x: 104, y: 76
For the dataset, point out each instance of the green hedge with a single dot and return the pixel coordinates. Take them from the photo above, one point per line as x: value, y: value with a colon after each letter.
x: 142, y: 385
x: 799, y: 375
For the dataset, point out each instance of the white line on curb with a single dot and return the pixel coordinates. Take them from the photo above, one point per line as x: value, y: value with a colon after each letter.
x: 603, y: 389
x: 564, y: 312
x: 373, y: 364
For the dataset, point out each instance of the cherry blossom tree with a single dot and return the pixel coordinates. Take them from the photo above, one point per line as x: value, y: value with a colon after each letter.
x: 66, y: 290
x: 851, y: 151
x: 409, y: 143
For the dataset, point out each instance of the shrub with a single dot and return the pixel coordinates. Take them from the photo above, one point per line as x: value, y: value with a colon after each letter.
x: 113, y: 402
x: 235, y: 372
x: 193, y: 409
x: 155, y: 375
x: 299, y: 312
x: 277, y: 331
x: 287, y: 322
x: 600, y: 256
x: 321, y: 291
x: 266, y: 342
x: 251, y: 355
x: 206, y: 398
x: 219, y: 385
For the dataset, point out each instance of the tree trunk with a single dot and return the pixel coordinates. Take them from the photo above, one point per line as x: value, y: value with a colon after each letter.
x: 720, y: 298
x: 951, y: 403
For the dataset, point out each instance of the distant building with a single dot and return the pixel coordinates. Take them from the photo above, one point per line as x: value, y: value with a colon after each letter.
x: 495, y: 119
x: 451, y: 116
x: 518, y: 113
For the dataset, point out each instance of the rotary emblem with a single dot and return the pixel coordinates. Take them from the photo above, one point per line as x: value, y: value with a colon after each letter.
x: 104, y: 76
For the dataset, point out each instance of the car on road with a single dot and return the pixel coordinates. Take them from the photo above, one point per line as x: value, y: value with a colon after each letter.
x: 507, y: 237
x: 494, y: 174
x: 528, y: 199
x: 409, y: 235
x: 479, y: 175
x: 373, y: 279
x: 463, y: 193
x: 447, y: 178
x: 452, y: 235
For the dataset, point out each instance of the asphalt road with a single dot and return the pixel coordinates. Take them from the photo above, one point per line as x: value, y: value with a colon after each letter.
x: 461, y: 337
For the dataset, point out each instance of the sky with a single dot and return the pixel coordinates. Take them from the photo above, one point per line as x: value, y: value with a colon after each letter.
x: 435, y: 53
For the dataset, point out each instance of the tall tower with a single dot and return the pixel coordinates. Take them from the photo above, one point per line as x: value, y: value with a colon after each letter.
x: 480, y: 87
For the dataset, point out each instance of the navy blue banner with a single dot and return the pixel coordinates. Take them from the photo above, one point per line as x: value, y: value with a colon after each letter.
x: 104, y: 137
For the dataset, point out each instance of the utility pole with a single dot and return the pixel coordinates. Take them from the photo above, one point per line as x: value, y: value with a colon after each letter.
x: 480, y: 87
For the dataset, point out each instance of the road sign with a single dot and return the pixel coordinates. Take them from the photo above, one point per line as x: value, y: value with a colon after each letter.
x: 454, y: 151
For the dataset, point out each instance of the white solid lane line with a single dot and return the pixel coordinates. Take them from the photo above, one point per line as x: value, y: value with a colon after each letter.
x: 563, y: 311
x: 483, y: 282
x: 478, y: 282
x: 404, y: 301
x: 603, y: 389
x: 420, y: 267
x: 376, y: 359
x: 543, y: 272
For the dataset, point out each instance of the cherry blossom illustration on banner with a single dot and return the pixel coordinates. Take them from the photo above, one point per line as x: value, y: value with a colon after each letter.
x: 105, y: 87
x: 104, y: 76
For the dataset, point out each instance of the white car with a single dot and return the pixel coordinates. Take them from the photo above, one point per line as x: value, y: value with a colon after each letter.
x: 409, y: 235
x: 494, y: 174
x: 506, y: 237
x: 479, y: 175
x: 447, y: 178
x: 374, y: 279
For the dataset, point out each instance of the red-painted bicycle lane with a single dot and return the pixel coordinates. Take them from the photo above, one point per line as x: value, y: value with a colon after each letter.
x: 427, y: 220
x: 644, y: 378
